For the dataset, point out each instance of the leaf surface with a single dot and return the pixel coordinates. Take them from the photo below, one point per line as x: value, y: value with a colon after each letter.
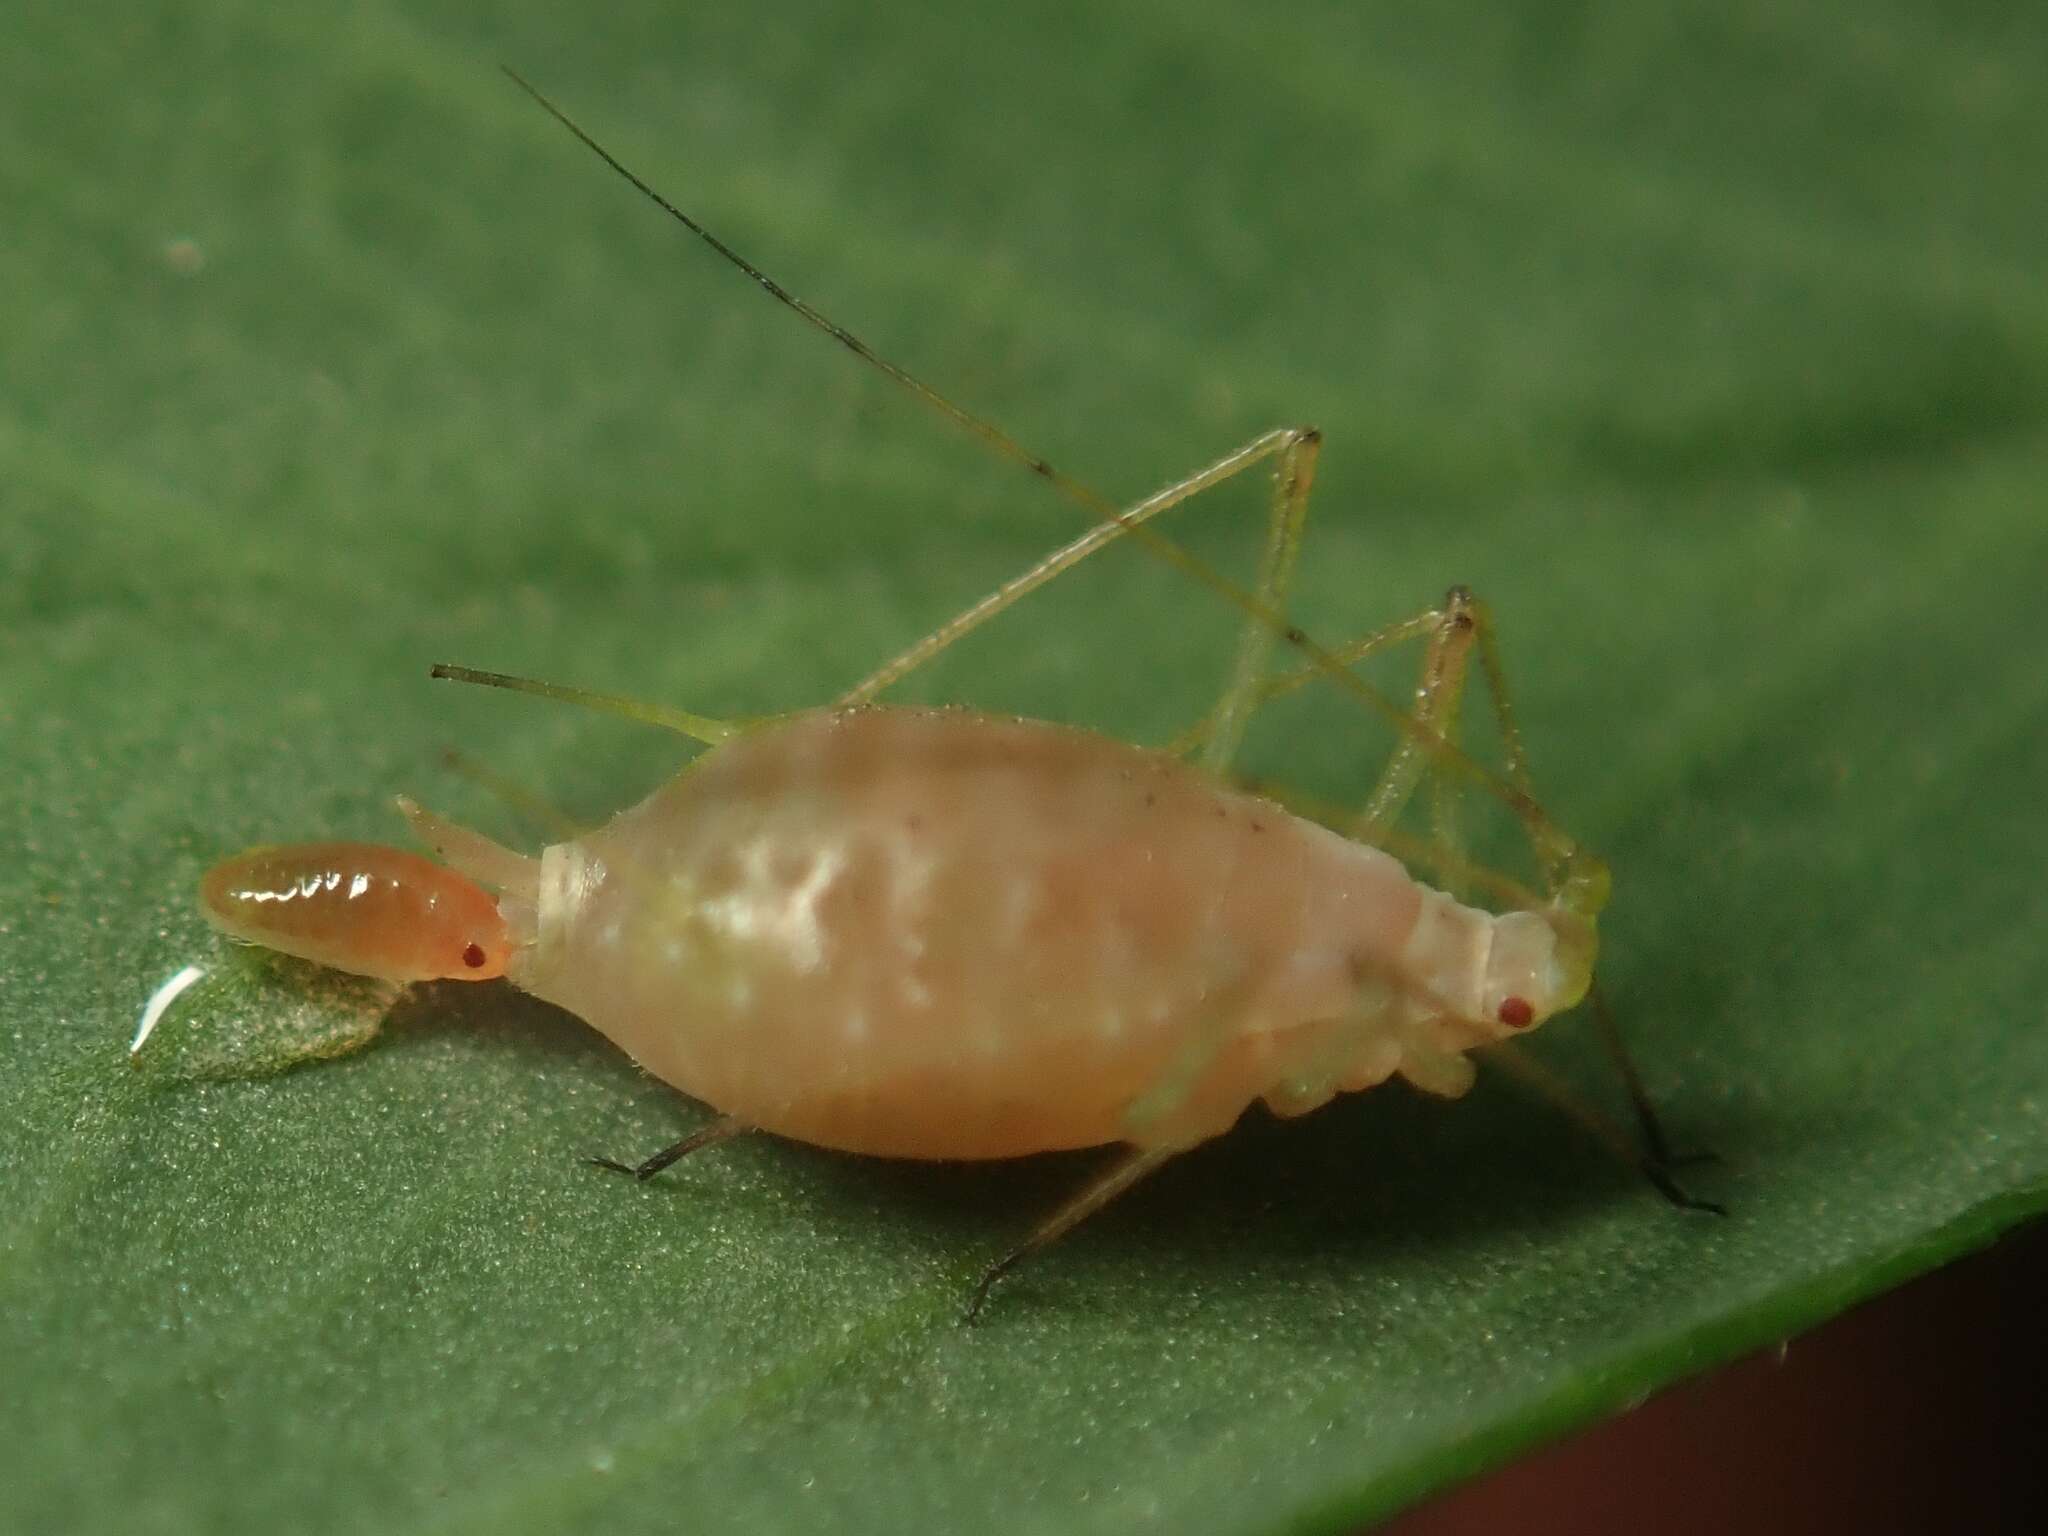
x: 1707, y: 342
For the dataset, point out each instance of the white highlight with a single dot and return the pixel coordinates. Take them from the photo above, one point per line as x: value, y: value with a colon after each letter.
x: 764, y: 910
x: 160, y: 1002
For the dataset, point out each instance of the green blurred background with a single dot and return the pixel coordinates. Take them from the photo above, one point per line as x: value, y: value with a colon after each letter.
x: 1707, y: 341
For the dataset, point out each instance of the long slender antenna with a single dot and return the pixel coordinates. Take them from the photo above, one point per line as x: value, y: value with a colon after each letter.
x: 1552, y: 841
x: 989, y: 433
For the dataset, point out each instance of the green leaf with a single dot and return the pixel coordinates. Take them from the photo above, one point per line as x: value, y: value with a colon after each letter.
x: 1706, y: 342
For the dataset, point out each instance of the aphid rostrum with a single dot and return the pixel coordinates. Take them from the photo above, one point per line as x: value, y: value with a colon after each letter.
x: 936, y: 933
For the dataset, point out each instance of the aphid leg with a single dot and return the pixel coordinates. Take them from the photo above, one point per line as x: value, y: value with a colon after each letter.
x: 1092, y: 1197
x: 1460, y: 627
x: 1279, y: 684
x: 1438, y: 695
x: 724, y: 1128
x: 1451, y: 632
x: 1293, y: 479
x: 1651, y: 1162
x: 1656, y: 1145
x: 1296, y: 448
x: 535, y: 808
x: 1578, y: 881
x: 1457, y: 629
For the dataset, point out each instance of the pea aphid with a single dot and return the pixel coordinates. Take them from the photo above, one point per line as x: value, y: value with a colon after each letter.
x: 935, y: 933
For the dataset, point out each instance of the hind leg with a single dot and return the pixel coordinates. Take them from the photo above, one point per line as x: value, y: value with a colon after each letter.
x: 1126, y: 1171
x: 723, y: 1129
x: 1427, y: 745
x: 1295, y: 449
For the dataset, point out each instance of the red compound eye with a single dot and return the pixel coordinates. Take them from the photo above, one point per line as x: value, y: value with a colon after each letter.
x: 1516, y: 1013
x: 473, y: 957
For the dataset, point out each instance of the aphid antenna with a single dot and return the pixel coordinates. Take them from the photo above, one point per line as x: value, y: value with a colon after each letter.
x: 1555, y: 847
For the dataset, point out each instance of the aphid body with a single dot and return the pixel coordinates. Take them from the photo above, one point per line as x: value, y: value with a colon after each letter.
x: 935, y: 933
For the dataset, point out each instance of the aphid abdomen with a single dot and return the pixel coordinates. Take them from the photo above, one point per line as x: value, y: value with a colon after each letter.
x: 937, y: 934
x: 358, y: 907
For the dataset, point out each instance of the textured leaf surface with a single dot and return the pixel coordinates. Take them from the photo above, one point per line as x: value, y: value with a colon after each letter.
x: 1707, y: 341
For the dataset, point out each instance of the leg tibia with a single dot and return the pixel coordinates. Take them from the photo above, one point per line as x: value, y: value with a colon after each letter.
x: 1127, y: 1170
x: 1288, y: 442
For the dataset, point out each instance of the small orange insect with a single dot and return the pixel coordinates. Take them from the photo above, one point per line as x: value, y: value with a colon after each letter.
x: 934, y: 933
x: 356, y: 907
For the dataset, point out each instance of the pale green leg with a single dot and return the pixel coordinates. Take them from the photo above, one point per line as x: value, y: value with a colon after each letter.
x: 1131, y: 1166
x: 1296, y: 449
x: 1293, y: 479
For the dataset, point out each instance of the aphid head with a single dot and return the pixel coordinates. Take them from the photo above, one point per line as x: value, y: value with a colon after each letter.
x: 1542, y: 961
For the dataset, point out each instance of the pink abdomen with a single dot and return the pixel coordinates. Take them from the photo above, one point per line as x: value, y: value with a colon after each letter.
x: 938, y: 934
